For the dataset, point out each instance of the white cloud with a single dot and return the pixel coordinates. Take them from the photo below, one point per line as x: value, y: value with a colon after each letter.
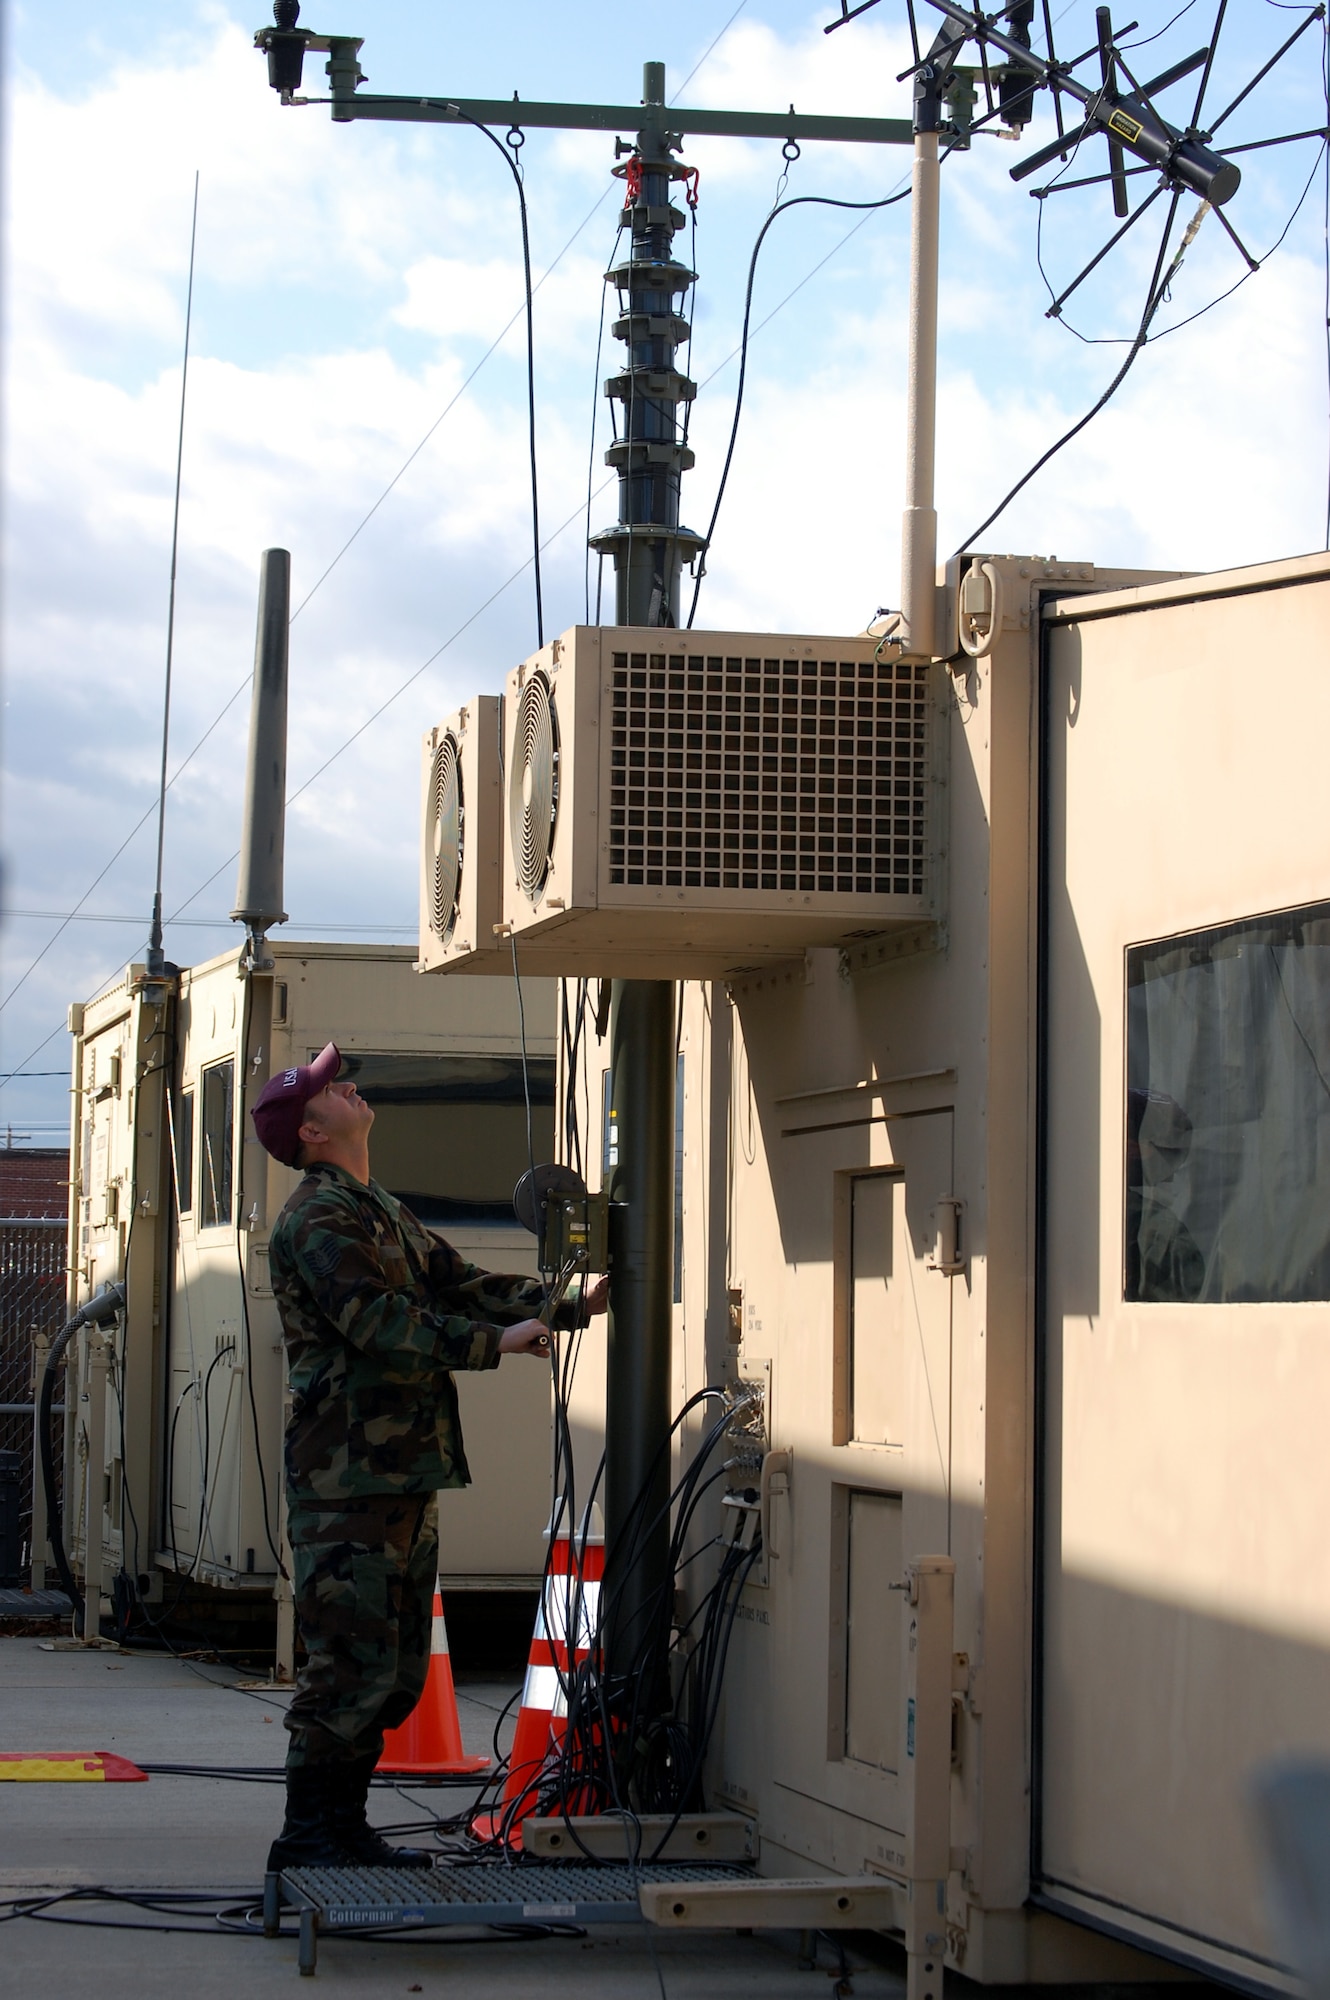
x: 756, y: 68
x: 102, y: 187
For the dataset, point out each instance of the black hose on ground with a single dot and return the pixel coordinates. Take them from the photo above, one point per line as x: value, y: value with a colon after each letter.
x: 99, y: 1311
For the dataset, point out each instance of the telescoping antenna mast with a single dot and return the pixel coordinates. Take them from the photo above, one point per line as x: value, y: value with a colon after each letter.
x: 648, y: 546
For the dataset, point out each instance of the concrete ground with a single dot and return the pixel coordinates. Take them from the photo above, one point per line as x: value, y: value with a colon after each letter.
x: 204, y: 1834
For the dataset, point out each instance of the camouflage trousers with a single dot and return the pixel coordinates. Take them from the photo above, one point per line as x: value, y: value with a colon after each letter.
x: 364, y: 1577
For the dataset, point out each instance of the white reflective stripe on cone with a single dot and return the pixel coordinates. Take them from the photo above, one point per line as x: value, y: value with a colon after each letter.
x: 438, y: 1638
x: 555, y: 1617
x: 541, y: 1690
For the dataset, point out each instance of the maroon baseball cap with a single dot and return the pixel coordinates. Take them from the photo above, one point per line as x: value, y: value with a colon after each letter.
x: 280, y: 1111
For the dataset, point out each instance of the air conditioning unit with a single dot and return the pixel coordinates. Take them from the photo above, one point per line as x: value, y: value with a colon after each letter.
x: 686, y: 804
x: 461, y: 893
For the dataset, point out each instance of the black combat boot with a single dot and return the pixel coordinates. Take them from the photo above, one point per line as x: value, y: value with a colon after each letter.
x: 309, y: 1838
x: 352, y: 1829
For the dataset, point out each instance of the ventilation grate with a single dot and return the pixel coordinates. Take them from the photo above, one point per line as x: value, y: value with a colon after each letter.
x: 739, y: 773
x: 443, y: 834
x: 533, y: 786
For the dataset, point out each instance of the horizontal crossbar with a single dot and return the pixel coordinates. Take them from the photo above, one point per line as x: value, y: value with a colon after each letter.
x: 507, y: 112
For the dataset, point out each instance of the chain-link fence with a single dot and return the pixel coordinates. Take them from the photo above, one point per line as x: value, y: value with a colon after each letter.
x: 32, y: 1302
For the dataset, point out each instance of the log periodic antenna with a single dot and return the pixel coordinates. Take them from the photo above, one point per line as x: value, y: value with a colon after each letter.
x: 1116, y: 105
x: 1179, y: 159
x: 1127, y: 119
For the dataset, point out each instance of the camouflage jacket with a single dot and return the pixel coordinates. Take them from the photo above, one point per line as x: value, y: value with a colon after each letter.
x: 375, y: 1312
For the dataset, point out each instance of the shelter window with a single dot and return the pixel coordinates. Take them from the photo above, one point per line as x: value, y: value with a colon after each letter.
x: 450, y: 1135
x: 218, y: 1123
x: 1228, y: 1113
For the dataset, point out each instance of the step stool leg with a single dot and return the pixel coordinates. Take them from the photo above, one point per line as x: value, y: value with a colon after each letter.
x: 309, y: 1942
x: 272, y: 1905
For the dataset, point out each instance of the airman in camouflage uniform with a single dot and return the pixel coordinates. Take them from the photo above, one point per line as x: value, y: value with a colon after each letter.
x: 376, y: 1313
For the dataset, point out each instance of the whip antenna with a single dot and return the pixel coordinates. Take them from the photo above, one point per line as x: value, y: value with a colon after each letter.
x: 156, y: 956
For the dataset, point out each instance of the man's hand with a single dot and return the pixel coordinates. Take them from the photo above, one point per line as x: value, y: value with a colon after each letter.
x: 598, y: 1298
x: 529, y: 1336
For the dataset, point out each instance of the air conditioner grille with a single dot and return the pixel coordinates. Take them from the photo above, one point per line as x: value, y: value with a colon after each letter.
x: 443, y: 833
x: 533, y: 785
x: 740, y: 773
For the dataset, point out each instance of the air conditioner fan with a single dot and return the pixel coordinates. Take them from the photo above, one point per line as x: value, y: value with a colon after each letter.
x: 444, y: 831
x: 533, y: 786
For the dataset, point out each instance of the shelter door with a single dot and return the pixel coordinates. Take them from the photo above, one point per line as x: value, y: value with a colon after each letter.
x: 1185, y: 1479
x: 871, y: 1460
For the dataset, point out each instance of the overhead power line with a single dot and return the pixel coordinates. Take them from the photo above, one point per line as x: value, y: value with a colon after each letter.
x: 135, y: 829
x: 707, y: 52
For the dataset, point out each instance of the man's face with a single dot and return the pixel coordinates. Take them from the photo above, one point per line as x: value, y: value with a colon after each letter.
x: 337, y: 1112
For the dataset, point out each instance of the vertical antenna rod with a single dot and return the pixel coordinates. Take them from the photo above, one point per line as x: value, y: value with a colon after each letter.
x: 156, y: 955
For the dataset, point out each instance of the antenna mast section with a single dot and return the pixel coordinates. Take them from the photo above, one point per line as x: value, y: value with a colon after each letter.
x: 918, y: 628
x: 648, y: 545
x: 259, y: 885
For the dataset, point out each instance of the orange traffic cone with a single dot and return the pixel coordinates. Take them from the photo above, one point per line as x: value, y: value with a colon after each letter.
x: 542, y: 1720
x: 429, y: 1742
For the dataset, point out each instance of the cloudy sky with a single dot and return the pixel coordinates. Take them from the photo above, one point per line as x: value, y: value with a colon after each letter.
x: 352, y: 283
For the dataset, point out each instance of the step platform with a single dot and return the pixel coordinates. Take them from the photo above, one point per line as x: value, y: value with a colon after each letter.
x: 480, y: 1892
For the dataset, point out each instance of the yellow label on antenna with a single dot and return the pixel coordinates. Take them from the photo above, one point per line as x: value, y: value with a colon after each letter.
x: 1126, y: 128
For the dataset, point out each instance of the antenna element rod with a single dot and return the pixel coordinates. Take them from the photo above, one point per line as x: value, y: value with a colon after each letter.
x: 156, y: 955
